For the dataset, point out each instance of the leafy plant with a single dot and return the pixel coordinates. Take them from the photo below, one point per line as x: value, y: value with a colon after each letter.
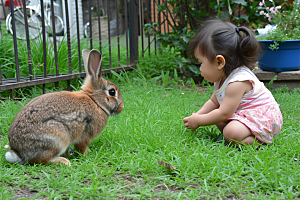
x: 176, y: 39
x: 286, y: 18
x: 240, y: 12
x: 193, y: 84
x: 165, y: 77
x: 271, y: 82
x: 175, y: 75
x: 165, y: 60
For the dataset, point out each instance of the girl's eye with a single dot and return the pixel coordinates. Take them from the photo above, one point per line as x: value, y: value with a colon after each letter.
x: 112, y: 92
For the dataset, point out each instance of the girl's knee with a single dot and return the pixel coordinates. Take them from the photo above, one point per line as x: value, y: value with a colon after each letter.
x: 237, y: 131
x: 230, y: 134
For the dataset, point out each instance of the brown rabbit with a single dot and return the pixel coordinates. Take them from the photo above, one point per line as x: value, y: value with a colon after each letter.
x: 46, y: 127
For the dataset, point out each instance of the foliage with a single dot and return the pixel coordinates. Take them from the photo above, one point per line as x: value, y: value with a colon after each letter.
x: 177, y: 38
x: 169, y: 61
x: 285, y: 17
x: 240, y: 12
x: 153, y: 65
x: 271, y: 82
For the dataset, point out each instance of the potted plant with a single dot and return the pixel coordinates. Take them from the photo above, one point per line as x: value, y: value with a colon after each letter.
x: 281, y: 47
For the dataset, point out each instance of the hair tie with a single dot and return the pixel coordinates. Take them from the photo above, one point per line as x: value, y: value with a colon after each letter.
x: 237, y: 29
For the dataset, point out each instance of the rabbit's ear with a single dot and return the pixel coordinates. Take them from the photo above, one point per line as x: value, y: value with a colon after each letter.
x: 85, y: 56
x: 94, y: 65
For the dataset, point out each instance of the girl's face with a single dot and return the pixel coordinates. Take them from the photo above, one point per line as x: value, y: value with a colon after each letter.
x: 211, y: 71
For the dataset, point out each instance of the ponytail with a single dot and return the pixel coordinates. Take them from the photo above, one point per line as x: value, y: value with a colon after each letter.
x: 249, y: 47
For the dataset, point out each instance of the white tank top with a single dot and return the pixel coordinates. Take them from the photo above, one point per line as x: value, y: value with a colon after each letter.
x: 258, y: 96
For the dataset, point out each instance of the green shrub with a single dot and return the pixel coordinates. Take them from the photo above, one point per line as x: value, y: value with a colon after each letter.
x: 153, y: 65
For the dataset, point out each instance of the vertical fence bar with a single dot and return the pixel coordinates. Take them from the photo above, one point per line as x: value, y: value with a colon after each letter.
x: 165, y: 19
x: 182, y: 20
x: 160, y: 24
x: 159, y: 18
x: 90, y: 20
x: 108, y: 27
x: 117, y: 16
x: 15, y: 40
x: 44, y: 43
x: 27, y: 40
x: 154, y: 20
x: 99, y: 26
x: 189, y: 19
x: 126, y: 29
x: 148, y: 21
x: 54, y: 42
x: 141, y: 13
x: 78, y: 35
x: 68, y: 42
x: 12, y: 93
x: 167, y: 16
x: 133, y: 31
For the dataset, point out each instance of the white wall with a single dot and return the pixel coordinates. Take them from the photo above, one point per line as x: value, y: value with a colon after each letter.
x: 72, y: 17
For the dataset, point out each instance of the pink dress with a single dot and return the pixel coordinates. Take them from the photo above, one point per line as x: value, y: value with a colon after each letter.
x: 258, y: 109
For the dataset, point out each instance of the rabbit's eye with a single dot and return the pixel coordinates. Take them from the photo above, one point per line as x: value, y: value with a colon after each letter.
x: 112, y: 92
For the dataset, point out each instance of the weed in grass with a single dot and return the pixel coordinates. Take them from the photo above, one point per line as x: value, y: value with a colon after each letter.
x: 193, y: 84
x: 165, y: 77
x: 175, y: 75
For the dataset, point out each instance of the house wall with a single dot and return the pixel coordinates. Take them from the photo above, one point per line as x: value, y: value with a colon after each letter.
x: 113, y: 14
x: 72, y: 16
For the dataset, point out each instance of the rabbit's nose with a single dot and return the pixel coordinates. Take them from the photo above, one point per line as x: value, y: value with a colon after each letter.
x: 120, y: 108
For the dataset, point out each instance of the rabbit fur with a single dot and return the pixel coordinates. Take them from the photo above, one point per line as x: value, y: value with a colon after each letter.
x: 46, y: 127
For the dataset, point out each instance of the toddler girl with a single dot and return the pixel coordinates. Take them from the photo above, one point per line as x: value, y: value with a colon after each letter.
x: 241, y: 106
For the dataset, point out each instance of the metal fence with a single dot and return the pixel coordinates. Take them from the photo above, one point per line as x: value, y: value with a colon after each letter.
x: 135, y: 14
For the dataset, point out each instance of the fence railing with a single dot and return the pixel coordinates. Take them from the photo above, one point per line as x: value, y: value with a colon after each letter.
x: 50, y: 50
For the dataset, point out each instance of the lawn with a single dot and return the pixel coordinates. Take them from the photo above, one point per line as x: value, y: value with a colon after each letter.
x: 123, y: 161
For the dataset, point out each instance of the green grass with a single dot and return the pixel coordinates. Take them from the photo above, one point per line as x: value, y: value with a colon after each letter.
x: 123, y: 161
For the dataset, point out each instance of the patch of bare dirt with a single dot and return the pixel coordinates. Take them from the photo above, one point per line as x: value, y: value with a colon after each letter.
x: 131, y: 183
x: 27, y: 193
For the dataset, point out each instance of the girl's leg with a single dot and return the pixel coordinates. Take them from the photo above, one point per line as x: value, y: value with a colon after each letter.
x: 221, y: 126
x: 237, y: 131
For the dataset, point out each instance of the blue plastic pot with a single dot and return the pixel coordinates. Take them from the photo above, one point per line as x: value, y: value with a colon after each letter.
x: 286, y: 58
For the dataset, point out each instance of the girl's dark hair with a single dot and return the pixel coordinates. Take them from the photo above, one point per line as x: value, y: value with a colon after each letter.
x: 237, y: 45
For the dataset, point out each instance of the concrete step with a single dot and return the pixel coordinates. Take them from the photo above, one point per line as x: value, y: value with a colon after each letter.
x: 291, y: 78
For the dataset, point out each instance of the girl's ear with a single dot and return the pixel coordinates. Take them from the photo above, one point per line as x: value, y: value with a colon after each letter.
x: 220, y: 60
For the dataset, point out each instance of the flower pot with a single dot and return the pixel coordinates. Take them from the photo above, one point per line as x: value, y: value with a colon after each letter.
x: 286, y: 58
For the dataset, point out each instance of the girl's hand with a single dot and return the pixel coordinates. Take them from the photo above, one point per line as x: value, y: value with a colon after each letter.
x: 192, y: 122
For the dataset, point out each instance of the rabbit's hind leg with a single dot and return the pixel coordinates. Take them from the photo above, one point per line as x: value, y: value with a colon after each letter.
x: 81, y: 147
x: 61, y: 160
x: 49, y: 156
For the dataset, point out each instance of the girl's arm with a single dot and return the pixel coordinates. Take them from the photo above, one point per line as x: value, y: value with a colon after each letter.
x: 233, y: 95
x: 210, y: 105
